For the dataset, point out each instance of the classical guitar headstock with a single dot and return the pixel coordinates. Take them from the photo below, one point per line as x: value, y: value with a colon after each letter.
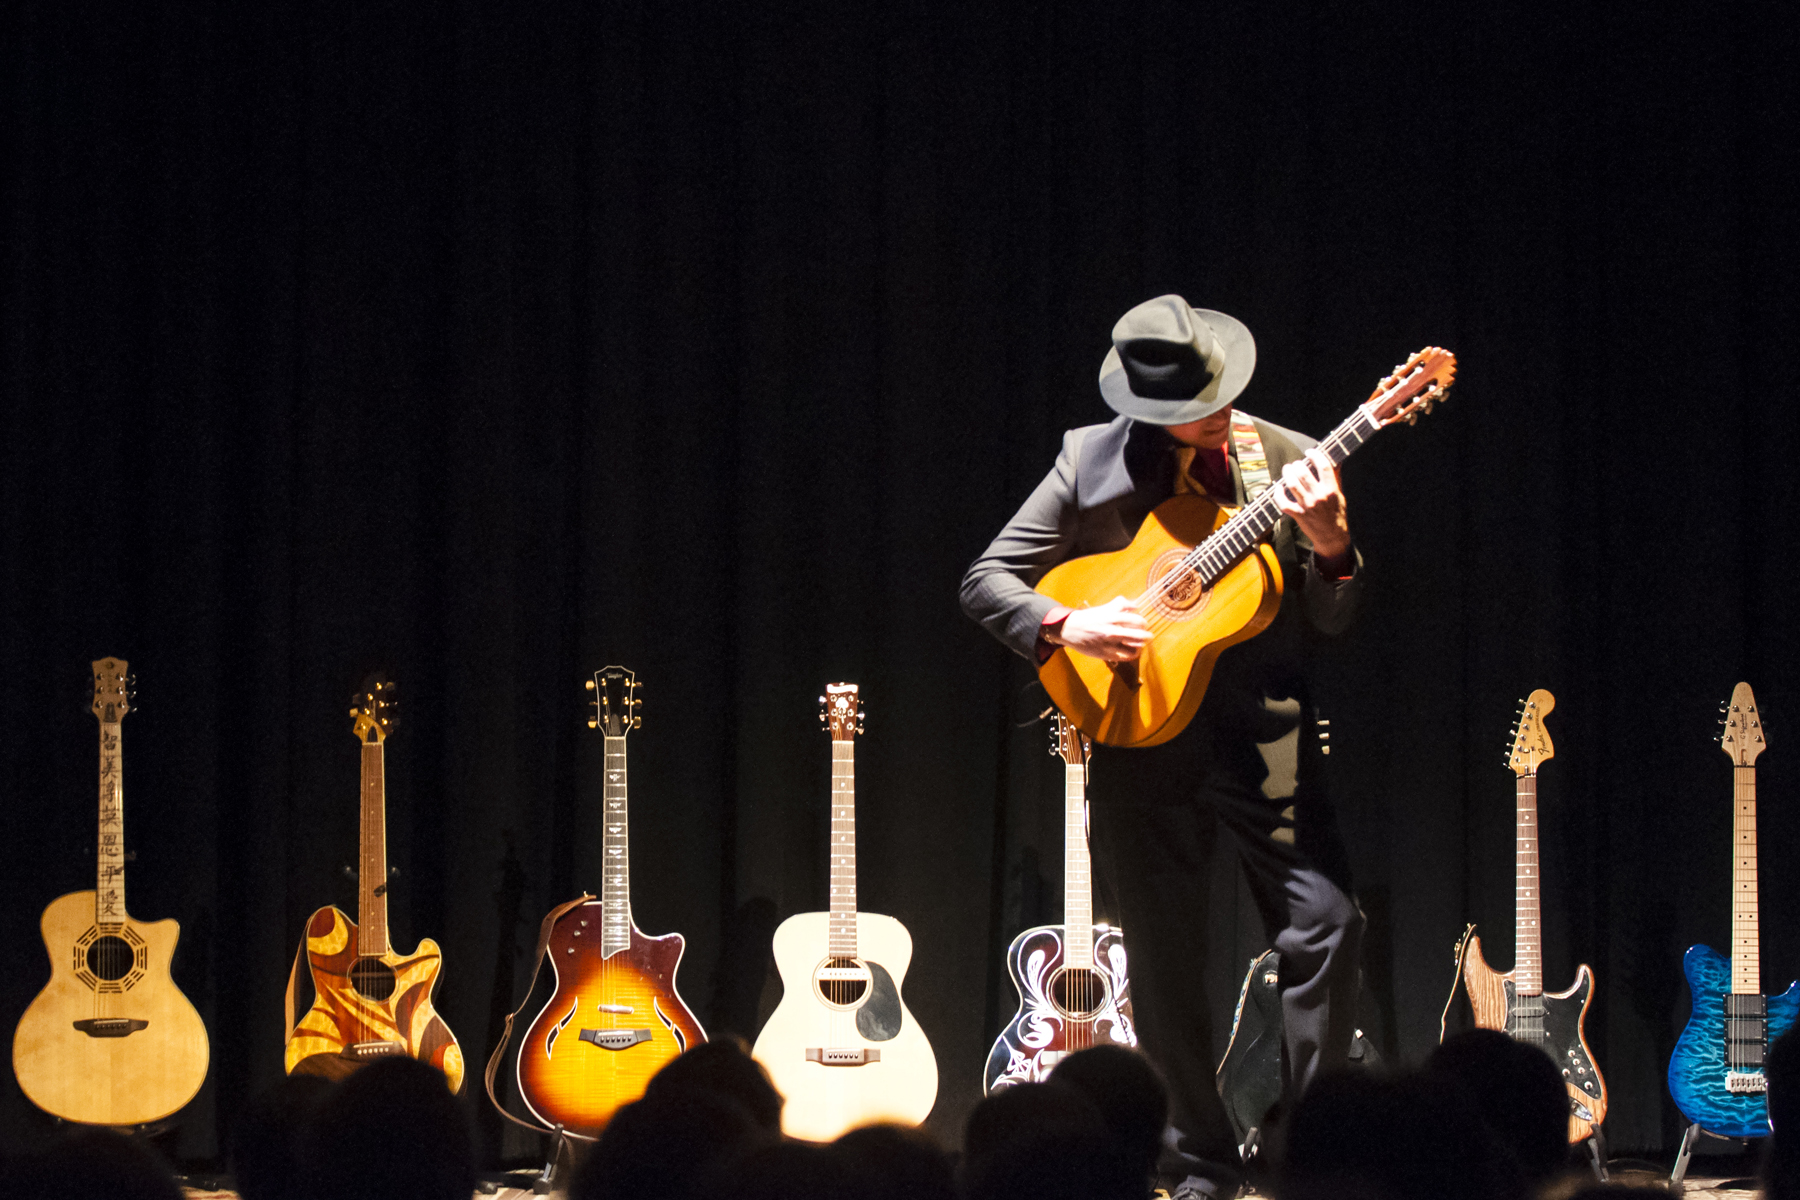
x: 1742, y: 737
x: 841, y: 712
x: 616, y: 701
x: 375, y: 709
x: 1067, y: 742
x: 1531, y: 745
x: 1414, y: 388
x: 114, y: 690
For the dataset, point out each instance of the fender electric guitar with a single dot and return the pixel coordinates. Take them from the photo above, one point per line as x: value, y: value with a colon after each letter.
x: 370, y: 1002
x: 616, y: 1016
x: 1073, y: 991
x: 1204, y: 579
x: 1716, y: 1073
x: 841, y: 1045
x: 1516, y: 1003
x: 110, y: 1040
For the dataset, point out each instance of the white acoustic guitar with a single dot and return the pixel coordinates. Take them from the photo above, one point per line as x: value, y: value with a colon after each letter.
x: 842, y: 1047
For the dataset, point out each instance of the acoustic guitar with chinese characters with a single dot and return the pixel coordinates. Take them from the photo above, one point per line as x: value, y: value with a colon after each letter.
x: 1204, y: 578
x: 110, y: 1040
x: 370, y: 1002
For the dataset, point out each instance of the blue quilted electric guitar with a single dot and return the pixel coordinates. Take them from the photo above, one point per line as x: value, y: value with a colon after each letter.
x: 1716, y: 1073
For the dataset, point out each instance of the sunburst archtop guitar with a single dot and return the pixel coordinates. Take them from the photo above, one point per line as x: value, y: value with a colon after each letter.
x: 1073, y: 988
x: 1515, y: 1003
x: 842, y: 1046
x: 1204, y: 578
x: 1716, y: 1073
x: 110, y: 1040
x: 616, y: 1017
x: 370, y: 1002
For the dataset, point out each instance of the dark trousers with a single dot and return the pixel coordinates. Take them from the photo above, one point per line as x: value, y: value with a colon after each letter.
x: 1154, y: 815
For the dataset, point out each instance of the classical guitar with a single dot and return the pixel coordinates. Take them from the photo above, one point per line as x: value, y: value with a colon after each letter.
x: 841, y: 1045
x: 616, y: 1016
x: 1204, y: 579
x: 1073, y: 991
x: 370, y: 1002
x: 110, y: 1040
x: 1516, y: 1003
x: 1716, y: 1073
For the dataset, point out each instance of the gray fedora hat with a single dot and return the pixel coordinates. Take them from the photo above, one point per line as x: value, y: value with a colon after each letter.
x: 1172, y: 363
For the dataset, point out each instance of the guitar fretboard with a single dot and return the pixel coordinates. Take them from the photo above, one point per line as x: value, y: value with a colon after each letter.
x: 109, y: 895
x: 1078, y: 891
x: 1528, y: 945
x: 1218, y: 553
x: 615, y: 883
x: 371, y: 882
x: 841, y: 926
x: 1746, y: 947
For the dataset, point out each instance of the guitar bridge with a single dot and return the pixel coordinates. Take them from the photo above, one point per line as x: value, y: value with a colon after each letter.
x: 615, y: 1039
x: 369, y: 1051
x: 111, y: 1026
x: 829, y: 1056
x: 1746, y: 1083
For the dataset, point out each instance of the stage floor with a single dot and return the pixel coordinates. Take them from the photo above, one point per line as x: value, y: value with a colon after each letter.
x: 1698, y: 1188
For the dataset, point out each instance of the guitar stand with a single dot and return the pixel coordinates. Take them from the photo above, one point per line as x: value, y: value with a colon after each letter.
x: 1596, y: 1148
x: 542, y: 1184
x: 1682, y: 1158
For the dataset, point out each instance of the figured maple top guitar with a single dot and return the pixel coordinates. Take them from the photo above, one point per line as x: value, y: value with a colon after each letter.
x: 1515, y: 1003
x: 370, y: 1002
x: 1204, y: 579
x: 110, y: 1040
x: 1716, y: 1072
x: 616, y: 1017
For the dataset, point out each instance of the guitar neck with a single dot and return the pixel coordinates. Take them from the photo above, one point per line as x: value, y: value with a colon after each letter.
x: 615, y: 884
x: 1746, y: 945
x: 1078, y: 889
x: 841, y: 927
x: 1528, y: 945
x: 109, y: 892
x: 371, y: 900
x: 1220, y: 552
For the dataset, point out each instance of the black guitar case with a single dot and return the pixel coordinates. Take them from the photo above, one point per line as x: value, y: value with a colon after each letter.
x: 1249, y: 1076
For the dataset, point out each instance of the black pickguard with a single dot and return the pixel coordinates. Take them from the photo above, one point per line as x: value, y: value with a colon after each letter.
x: 1560, y: 1037
x: 878, y: 1020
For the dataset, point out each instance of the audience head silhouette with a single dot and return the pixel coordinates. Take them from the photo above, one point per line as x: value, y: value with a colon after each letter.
x: 266, y: 1145
x: 1129, y: 1094
x: 664, y: 1146
x: 1360, y: 1136
x: 91, y: 1161
x: 1517, y: 1090
x: 1046, y: 1140
x: 890, y: 1162
x: 723, y: 1067
x: 391, y: 1129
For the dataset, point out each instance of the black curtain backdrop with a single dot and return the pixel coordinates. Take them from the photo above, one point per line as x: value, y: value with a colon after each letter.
x: 491, y: 344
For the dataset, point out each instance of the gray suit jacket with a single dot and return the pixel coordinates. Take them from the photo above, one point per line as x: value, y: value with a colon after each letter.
x: 1106, y: 480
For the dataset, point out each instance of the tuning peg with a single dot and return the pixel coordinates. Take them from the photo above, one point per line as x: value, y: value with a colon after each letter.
x: 637, y: 722
x: 590, y: 685
x: 593, y: 723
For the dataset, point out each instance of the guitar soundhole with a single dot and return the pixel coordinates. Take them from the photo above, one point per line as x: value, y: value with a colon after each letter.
x: 843, y: 981
x: 1175, y: 587
x: 1078, y: 992
x: 111, y: 958
x: 372, y: 979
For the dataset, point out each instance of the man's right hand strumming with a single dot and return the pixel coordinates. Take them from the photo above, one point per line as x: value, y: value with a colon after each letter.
x: 1115, y: 631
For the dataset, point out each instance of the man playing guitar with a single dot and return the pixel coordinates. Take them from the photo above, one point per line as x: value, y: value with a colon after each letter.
x: 1250, y: 759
